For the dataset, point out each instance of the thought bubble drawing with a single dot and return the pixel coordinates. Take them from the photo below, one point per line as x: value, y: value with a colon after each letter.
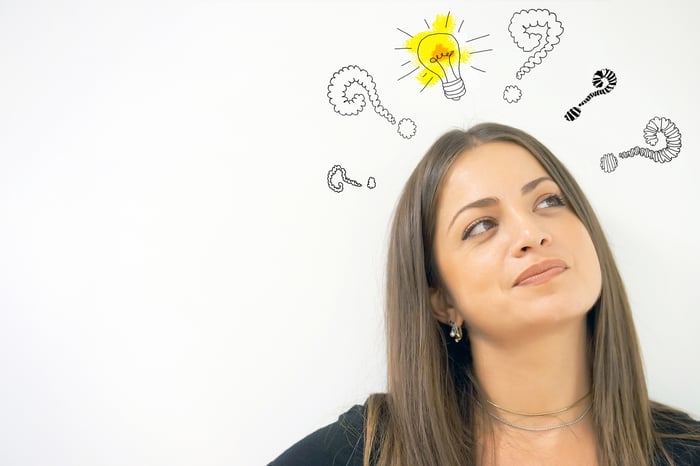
x: 407, y: 128
x: 347, y: 90
x: 604, y: 77
x: 655, y: 127
x: 536, y: 31
x: 337, y: 186
x: 512, y: 94
x: 371, y: 182
x: 437, y: 53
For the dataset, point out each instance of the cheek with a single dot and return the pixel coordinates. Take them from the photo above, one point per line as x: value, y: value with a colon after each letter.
x: 471, y: 271
x: 474, y: 284
x: 597, y: 275
x: 588, y: 259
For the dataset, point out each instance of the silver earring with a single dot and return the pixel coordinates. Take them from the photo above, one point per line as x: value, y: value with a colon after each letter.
x: 455, y: 331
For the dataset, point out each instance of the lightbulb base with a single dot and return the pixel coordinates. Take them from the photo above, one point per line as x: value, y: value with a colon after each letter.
x: 454, y: 89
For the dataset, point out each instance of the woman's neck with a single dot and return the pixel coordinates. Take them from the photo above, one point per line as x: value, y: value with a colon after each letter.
x: 536, y: 373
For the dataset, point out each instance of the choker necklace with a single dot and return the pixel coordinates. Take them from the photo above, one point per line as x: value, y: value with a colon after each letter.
x: 539, y: 429
x: 548, y: 413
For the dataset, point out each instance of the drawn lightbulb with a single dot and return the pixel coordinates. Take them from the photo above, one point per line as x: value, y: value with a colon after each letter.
x: 439, y: 54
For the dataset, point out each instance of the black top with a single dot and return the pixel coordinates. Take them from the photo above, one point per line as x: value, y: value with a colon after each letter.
x: 338, y: 444
x: 342, y: 444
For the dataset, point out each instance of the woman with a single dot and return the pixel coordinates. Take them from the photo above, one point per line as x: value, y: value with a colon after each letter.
x: 510, y: 337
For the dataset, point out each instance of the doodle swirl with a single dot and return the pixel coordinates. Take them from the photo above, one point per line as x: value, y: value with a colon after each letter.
x: 655, y: 127
x: 346, y: 92
x: 338, y: 186
x: 604, y: 77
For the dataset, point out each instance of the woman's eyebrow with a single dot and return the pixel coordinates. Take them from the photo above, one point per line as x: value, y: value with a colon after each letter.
x: 533, y: 184
x: 489, y: 201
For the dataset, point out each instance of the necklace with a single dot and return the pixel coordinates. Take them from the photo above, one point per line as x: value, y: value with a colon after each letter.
x: 549, y: 413
x: 539, y: 429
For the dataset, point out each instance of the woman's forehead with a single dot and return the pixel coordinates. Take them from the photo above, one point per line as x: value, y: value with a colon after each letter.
x: 491, y: 169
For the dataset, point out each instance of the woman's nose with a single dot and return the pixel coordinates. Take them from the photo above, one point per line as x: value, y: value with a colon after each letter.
x: 528, y: 234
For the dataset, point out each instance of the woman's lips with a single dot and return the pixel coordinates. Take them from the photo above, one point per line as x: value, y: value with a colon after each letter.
x: 541, y: 272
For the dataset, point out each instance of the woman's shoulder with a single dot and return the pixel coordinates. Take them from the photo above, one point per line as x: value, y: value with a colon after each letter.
x: 340, y: 443
x: 679, y: 433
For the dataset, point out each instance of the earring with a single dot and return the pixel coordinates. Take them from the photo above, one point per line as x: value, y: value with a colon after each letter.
x: 456, y: 331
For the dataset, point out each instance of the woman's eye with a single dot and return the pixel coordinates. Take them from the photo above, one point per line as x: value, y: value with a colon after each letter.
x: 478, y: 227
x: 554, y: 200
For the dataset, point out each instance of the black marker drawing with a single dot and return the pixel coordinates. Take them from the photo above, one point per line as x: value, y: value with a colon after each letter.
x: 604, y: 77
x: 656, y: 126
x: 532, y: 30
x: 346, y: 93
x: 371, y: 182
x: 337, y: 186
x: 438, y: 53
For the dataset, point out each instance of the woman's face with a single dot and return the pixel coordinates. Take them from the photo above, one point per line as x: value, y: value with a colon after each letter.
x: 499, y: 214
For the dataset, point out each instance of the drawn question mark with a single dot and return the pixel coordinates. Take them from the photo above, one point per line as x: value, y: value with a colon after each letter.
x: 346, y: 93
x: 655, y: 126
x: 536, y: 31
x: 604, y: 77
x: 338, y: 187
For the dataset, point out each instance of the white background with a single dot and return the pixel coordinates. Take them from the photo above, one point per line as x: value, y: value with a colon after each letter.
x: 178, y: 284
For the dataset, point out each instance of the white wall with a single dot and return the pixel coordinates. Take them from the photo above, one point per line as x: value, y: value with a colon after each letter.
x: 179, y: 285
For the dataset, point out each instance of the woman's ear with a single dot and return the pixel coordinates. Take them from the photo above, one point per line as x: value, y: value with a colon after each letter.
x: 443, y: 310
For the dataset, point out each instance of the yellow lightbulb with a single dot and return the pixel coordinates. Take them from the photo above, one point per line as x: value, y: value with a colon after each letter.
x: 439, y: 54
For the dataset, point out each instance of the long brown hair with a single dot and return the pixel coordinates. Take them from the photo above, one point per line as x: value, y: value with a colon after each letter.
x: 429, y: 414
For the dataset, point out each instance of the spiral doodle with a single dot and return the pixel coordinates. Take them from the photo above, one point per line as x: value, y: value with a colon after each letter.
x: 655, y: 126
x: 651, y: 135
x: 524, y: 29
x: 345, y: 92
x: 604, y: 77
x: 338, y: 188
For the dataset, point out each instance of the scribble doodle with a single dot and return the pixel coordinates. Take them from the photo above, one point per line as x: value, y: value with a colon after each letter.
x: 438, y: 53
x: 337, y: 186
x: 604, y: 77
x: 406, y: 128
x: 537, y: 30
x: 371, y: 182
x: 512, y: 94
x: 346, y: 93
x: 655, y: 127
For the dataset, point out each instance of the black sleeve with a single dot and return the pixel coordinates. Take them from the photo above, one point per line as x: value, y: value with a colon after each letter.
x: 684, y: 453
x: 337, y: 444
x: 684, y: 449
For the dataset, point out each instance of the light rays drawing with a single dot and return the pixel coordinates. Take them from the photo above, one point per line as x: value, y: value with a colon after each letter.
x: 438, y: 53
